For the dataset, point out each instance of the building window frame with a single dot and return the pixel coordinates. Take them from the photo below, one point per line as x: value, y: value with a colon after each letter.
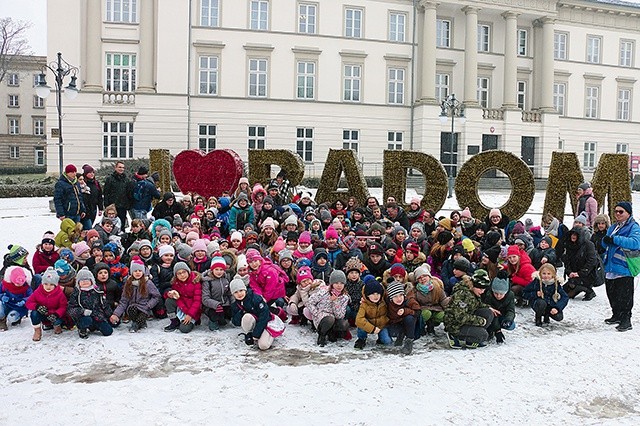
x: 594, y: 49
x: 256, y: 137
x: 397, y: 26
x: 627, y: 49
x: 121, y: 11
x: 259, y: 15
x: 258, y: 82
x: 207, y: 134
x: 443, y: 32
x: 352, y: 82
x: 14, y: 101
x: 13, y: 79
x: 210, y: 13
x: 307, y: 18
x: 117, y: 139
x: 624, y: 103
x: 353, y: 22
x: 351, y: 139
x: 306, y: 79
x: 484, y: 37
x: 39, y: 128
x: 14, y: 152
x: 304, y: 143
x: 560, y: 45
x: 396, y: 85
x: 13, y: 125
x: 39, y: 155
x: 622, y: 148
x: 38, y: 102
x: 120, y: 72
x: 483, y: 91
x: 443, y: 86
x: 592, y: 101
x: 521, y: 94
x: 394, y: 140
x: 589, y: 155
x: 523, y: 42
x: 208, y: 74
x: 560, y: 97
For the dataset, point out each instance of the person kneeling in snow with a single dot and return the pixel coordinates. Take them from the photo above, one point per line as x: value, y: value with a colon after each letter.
x: 88, y: 307
x: 502, y: 303
x: 546, y: 296
x: 328, y: 307
x: 14, y: 291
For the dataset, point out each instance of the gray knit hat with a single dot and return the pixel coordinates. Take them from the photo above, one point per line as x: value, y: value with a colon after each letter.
x: 179, y: 266
x: 50, y: 276
x: 500, y: 285
x: 337, y: 276
x: 85, y: 274
x: 236, y: 285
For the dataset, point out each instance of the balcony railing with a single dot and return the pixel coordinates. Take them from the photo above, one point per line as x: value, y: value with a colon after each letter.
x: 531, y: 116
x: 118, y: 98
x: 493, y: 114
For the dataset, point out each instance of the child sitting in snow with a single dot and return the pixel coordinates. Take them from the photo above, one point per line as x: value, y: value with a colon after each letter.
x: 300, y: 298
x: 431, y: 297
x: 372, y: 315
x: 328, y: 307
x: 184, y: 300
x: 502, y: 303
x: 111, y: 256
x: 48, y: 305
x: 14, y: 291
x: 403, y: 310
x: 162, y: 275
x: 88, y: 307
x: 216, y: 296
x: 354, y: 285
x: 546, y: 296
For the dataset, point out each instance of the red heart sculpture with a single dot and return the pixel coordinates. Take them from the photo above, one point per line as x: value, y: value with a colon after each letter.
x: 207, y: 174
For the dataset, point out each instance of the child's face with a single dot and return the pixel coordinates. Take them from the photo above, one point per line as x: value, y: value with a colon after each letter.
x: 85, y: 284
x: 338, y: 286
x: 398, y: 299
x: 102, y: 275
x: 480, y: 232
x: 133, y: 252
x: 109, y: 256
x: 292, y: 245
x: 315, y: 226
x: 306, y: 282
x: 400, y: 236
x: 48, y: 287
x: 224, y: 245
x: 499, y: 296
x: 410, y: 255
x: 167, y: 258
x: 255, y: 264
x: 391, y: 252
x: 108, y: 227
x: 513, y: 259
x: 134, y: 228
x: 210, y: 215
x: 424, y: 279
x: 398, y: 277
x: 304, y: 245
x: 175, y: 239
x: 375, y: 258
x: 321, y: 261
x: 85, y: 255
x: 332, y: 242
x: 286, y: 263
x: 268, y: 231
x: 200, y: 254
x: 218, y: 272
x: 235, y: 243
x: 544, y: 245
x: 353, y: 275
x: 546, y: 275
x: 357, y: 216
x: 240, y: 294
x: 182, y: 275
x: 601, y: 226
x: 374, y: 298
x: 111, y: 214
x: 165, y: 239
x: 47, y: 246
x: 137, y: 274
x: 458, y: 273
x: 145, y: 251
x: 92, y: 239
x: 243, y: 271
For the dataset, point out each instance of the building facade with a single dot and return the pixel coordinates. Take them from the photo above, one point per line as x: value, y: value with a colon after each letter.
x: 535, y: 76
x: 22, y: 128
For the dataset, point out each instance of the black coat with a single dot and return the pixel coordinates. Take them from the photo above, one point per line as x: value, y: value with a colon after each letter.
x: 252, y: 304
x: 118, y: 190
x: 163, y: 210
x: 537, y: 254
x: 93, y: 200
x: 580, y: 257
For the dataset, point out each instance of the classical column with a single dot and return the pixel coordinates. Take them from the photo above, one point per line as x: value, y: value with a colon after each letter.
x: 146, y: 58
x: 510, y: 54
x: 428, y: 94
x: 93, y: 55
x: 471, y: 56
x: 546, y: 98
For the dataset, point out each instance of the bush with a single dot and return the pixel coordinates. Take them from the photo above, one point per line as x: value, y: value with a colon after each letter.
x: 22, y: 170
x: 22, y: 190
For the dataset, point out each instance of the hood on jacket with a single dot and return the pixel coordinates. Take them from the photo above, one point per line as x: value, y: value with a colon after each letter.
x: 67, y: 226
x: 258, y: 189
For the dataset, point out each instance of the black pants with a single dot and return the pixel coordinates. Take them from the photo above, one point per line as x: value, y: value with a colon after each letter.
x: 575, y: 286
x: 475, y: 333
x: 136, y: 315
x: 220, y: 317
x: 542, y: 309
x: 331, y: 324
x: 172, y: 308
x: 406, y: 328
x: 122, y: 214
x: 620, y: 295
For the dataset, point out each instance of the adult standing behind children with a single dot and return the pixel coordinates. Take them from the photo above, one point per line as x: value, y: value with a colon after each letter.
x: 118, y: 190
x: 587, y: 202
x: 67, y: 196
x: 93, y: 200
x: 623, y: 234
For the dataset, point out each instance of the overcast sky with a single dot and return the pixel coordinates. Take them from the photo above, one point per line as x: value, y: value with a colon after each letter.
x: 36, y: 12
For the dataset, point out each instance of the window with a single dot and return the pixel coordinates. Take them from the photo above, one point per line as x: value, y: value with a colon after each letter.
x: 559, y: 96
x: 443, y: 33
x: 14, y: 152
x: 396, y: 26
x: 14, y: 126
x: 36, y: 80
x: 14, y: 101
x: 592, y: 102
x: 593, y: 49
x: 209, y: 13
x: 121, y: 72
x: 258, y: 78
x: 483, y: 92
x: 522, y: 42
x: 394, y: 140
x: 304, y: 143
x: 13, y: 80
x: 624, y: 104
x: 117, y: 139
x: 39, y: 157
x: 622, y: 148
x: 560, y: 45
x: 208, y: 75
x: 257, y: 137
x: 307, y: 14
x: 259, y: 15
x: 306, y: 80
x: 353, y: 23
x: 626, y: 53
x: 38, y: 102
x: 206, y: 137
x: 521, y: 94
x: 589, y: 155
x: 484, y: 34
x: 352, y: 78
x: 38, y: 126
x: 396, y: 86
x: 350, y: 139
x: 122, y: 11
x: 442, y: 87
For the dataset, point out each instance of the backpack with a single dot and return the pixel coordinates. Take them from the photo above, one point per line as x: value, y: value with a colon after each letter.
x: 139, y: 190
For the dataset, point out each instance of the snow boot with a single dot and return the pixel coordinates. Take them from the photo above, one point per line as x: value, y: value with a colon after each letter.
x: 613, y: 320
x: 37, y: 333
x: 589, y: 296
x: 625, y: 324
x: 134, y: 327
x: 499, y: 337
x: 454, y: 342
x: 431, y: 329
x: 3, y: 324
x: 407, y: 347
x: 13, y: 324
x: 360, y: 344
x: 538, y: 320
x: 322, y: 340
x: 173, y: 325
x: 57, y: 329
x: 213, y: 325
x: 83, y: 333
x: 399, y: 339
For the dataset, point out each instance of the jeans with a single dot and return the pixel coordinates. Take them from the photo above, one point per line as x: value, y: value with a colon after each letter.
x: 406, y: 328
x: 103, y: 326
x: 139, y: 214
x: 37, y: 318
x: 11, y: 316
x: 383, y: 336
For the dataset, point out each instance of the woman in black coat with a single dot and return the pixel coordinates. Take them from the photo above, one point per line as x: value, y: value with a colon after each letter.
x: 580, y: 264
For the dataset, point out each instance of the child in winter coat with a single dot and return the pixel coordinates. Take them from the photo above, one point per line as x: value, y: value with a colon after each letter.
x: 543, y: 253
x: 403, y: 310
x: 502, y: 303
x: 372, y: 314
x: 137, y: 233
x: 87, y: 306
x: 14, y: 292
x: 432, y: 298
x: 45, y: 254
x: 70, y: 232
x: 111, y: 256
x: 139, y: 297
x: 48, y: 305
x: 520, y: 270
x: 298, y: 301
x: 105, y: 229
x: 216, y: 296
x: 267, y: 280
x: 354, y: 285
x: 305, y: 249
x: 546, y: 295
x: 328, y: 307
x: 107, y: 285
x: 242, y: 270
x: 67, y: 276
x: 184, y: 300
x: 162, y: 275
x: 200, y: 262
x: 252, y: 313
x: 320, y: 266
x: 413, y: 258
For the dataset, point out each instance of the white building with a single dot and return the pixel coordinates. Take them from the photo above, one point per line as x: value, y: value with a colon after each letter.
x: 535, y: 76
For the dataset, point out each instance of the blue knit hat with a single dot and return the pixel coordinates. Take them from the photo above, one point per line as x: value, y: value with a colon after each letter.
x: 371, y: 286
x: 626, y: 205
x: 62, y: 267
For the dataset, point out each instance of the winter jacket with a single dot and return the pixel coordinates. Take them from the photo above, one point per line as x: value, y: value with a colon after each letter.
x: 162, y: 277
x: 131, y: 237
x: 112, y: 292
x: 530, y: 293
x: 581, y: 257
x: 461, y: 310
x: 377, y: 269
x: 118, y: 190
x: 342, y: 258
x: 14, y: 298
x: 93, y: 200
x: 163, y: 209
x: 244, y: 214
x: 506, y: 306
x: 67, y: 197
x: 428, y: 300
x: 104, y: 236
x: 537, y: 254
x: 402, y: 219
x: 146, y: 191
x: 522, y: 276
x: 415, y: 216
x: 42, y: 260
x: 255, y: 305
x: 596, y: 239
x: 411, y: 266
x: 268, y: 281
x: 63, y: 238
x: 55, y: 301
x: 320, y: 305
x: 410, y: 306
x: 627, y: 237
x: 587, y: 203
x: 371, y: 315
x: 137, y: 300
x: 354, y: 288
x: 118, y: 271
x: 301, y: 297
x: 215, y: 291
x: 190, y: 291
x: 92, y: 300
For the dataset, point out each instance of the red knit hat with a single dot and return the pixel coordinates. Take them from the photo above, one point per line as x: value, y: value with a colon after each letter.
x: 70, y: 168
x: 398, y: 269
x: 413, y: 248
x: 513, y: 250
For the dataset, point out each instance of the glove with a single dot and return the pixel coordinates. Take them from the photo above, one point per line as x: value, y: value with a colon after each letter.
x: 5, y: 299
x: 507, y: 324
x: 20, y: 303
x: 87, y: 312
x: 248, y: 339
x: 52, y: 318
x: 219, y: 309
x: 499, y: 338
x: 608, y: 239
x: 42, y: 310
x: 483, y: 322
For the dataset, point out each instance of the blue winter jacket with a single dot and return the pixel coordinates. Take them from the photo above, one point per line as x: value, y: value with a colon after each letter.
x: 147, y: 194
x: 627, y: 237
x: 67, y: 197
x: 252, y: 304
x: 530, y: 293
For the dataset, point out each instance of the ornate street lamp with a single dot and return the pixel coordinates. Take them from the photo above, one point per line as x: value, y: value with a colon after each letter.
x: 454, y: 108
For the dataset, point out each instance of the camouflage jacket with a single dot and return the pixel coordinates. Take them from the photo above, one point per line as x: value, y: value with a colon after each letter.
x: 461, y: 310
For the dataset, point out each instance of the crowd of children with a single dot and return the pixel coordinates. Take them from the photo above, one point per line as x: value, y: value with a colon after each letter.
x: 260, y: 261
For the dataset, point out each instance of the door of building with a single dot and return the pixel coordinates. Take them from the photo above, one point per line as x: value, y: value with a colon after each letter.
x: 449, y: 153
x: 528, y: 151
x: 489, y: 142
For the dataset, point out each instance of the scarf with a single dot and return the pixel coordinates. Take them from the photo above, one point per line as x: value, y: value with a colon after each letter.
x: 425, y: 288
x: 336, y: 292
x: 556, y: 295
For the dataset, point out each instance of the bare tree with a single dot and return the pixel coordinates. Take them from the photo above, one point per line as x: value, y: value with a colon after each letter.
x: 13, y: 43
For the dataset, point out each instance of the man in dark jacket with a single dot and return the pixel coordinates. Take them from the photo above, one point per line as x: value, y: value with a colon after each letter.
x: 144, y: 191
x: 395, y: 213
x: 67, y: 196
x: 167, y: 207
x: 93, y: 200
x: 118, y: 190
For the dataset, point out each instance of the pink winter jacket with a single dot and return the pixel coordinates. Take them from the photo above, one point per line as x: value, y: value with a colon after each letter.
x: 266, y: 281
x: 321, y: 306
x: 55, y: 301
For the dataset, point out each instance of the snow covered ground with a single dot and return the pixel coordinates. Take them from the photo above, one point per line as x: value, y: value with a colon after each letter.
x: 579, y: 371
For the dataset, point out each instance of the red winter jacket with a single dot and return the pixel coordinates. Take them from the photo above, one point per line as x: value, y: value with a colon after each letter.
x: 523, y: 275
x: 55, y: 300
x: 190, y: 301
x: 266, y: 281
x: 41, y: 260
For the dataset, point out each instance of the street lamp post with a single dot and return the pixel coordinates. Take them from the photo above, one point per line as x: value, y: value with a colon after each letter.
x: 60, y: 70
x: 454, y: 108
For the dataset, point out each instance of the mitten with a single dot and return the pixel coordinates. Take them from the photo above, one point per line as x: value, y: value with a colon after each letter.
x: 20, y: 303
x: 42, y: 310
x: 248, y: 339
x: 219, y: 309
x: 5, y: 299
x: 608, y: 239
x: 52, y: 318
x: 506, y: 324
x: 87, y: 312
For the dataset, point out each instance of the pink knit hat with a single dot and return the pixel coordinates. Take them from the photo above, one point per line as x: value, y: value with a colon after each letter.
x: 466, y: 213
x: 279, y: 245
x: 415, y: 200
x: 305, y: 237
x: 253, y: 254
x: 268, y: 222
x: 495, y: 212
x: 80, y: 248
x: 331, y: 233
x: 304, y: 273
x: 192, y: 236
x: 199, y: 245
